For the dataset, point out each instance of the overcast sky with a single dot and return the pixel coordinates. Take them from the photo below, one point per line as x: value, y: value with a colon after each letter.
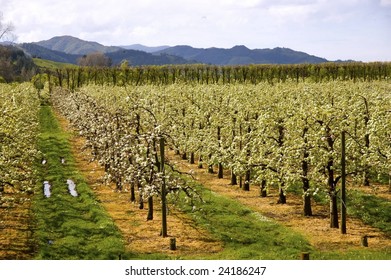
x: 333, y: 29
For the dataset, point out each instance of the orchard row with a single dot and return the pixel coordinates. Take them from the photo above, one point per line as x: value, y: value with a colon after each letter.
x: 19, y: 106
x: 268, y: 136
x: 124, y: 75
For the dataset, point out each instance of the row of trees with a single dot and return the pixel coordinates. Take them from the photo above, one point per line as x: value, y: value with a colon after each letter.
x: 269, y: 136
x: 19, y: 105
x: 126, y: 138
x: 210, y: 74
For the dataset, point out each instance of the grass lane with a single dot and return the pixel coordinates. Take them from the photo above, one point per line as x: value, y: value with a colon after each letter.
x: 69, y: 227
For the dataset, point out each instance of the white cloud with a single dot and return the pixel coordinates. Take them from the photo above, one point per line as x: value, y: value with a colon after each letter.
x: 141, y: 31
x: 315, y: 26
x: 291, y: 12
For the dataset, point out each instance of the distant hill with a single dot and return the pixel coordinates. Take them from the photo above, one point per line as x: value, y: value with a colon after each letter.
x: 72, y: 45
x: 38, y: 51
x: 239, y: 55
x: 68, y: 49
x: 138, y: 47
x: 143, y: 58
x: 136, y: 58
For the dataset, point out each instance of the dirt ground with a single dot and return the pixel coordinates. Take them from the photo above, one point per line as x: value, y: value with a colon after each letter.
x: 16, y: 227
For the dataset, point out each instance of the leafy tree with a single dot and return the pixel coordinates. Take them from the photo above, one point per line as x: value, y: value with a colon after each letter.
x: 96, y: 59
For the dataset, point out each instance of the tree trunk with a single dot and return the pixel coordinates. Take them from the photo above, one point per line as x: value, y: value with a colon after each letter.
x: 333, y: 196
x: 220, y: 171
x: 343, y: 184
x: 163, y: 190
x: 234, y: 180
x: 150, y: 209
x: 210, y: 166
x: 184, y: 156
x: 307, y: 198
x: 141, y: 201
x: 333, y: 210
x: 246, y: 185
x: 132, y: 192
x: 191, y: 161
x: 307, y: 205
x: 281, y: 195
x: 263, y: 190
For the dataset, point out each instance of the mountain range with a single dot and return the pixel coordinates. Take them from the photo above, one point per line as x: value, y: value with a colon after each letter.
x: 68, y: 49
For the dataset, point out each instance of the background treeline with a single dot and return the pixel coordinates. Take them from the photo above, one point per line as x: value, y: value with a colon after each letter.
x: 123, y: 75
x: 15, y: 65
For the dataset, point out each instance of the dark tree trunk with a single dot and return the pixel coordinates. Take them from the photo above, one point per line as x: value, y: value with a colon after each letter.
x: 333, y: 196
x: 367, y: 142
x: 141, y: 201
x: 163, y: 189
x: 150, y: 209
x: 132, y: 192
x: 333, y: 211
x: 281, y: 195
x: 192, y: 161
x: 234, y: 180
x: 220, y: 171
x: 307, y: 205
x: 343, y: 183
x: 306, y: 186
x: 263, y: 190
x: 246, y: 185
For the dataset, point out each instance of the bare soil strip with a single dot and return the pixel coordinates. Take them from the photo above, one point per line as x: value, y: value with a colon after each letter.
x: 16, y: 228
x: 140, y: 235
x: 316, y: 228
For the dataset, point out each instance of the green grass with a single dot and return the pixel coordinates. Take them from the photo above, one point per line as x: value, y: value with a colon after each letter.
x: 245, y: 234
x: 48, y: 64
x: 69, y: 227
x: 372, y: 210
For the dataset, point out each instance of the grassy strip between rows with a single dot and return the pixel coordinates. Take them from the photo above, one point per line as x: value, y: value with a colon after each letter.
x: 246, y: 234
x: 371, y: 209
x: 69, y: 227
